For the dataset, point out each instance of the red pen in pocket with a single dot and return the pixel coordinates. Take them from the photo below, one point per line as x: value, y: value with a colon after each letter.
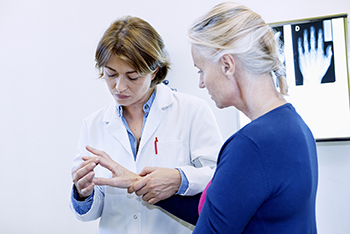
x: 155, y: 146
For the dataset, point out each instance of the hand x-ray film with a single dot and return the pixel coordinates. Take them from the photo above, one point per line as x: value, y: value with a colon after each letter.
x: 314, y: 52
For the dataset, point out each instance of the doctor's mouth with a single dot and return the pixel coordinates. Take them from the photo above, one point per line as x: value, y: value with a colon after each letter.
x: 121, y: 97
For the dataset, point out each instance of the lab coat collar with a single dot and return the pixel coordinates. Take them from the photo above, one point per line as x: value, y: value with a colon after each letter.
x: 164, y: 98
x: 115, y: 126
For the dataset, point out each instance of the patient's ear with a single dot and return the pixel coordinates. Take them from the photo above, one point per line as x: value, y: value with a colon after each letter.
x: 228, y: 64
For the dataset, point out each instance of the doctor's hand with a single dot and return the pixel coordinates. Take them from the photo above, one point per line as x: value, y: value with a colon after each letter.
x: 83, y: 175
x: 157, y: 184
x: 313, y: 63
x: 121, y: 177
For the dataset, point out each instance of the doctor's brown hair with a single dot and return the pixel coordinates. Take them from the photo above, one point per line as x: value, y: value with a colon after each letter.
x: 137, y: 43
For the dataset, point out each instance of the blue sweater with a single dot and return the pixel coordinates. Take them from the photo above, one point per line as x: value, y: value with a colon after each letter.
x: 266, y: 179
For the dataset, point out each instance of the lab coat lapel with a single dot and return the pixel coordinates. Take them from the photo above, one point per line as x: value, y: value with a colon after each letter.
x: 115, y: 126
x: 163, y: 99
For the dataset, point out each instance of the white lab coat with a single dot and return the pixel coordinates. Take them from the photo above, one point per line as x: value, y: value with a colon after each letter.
x: 188, y: 138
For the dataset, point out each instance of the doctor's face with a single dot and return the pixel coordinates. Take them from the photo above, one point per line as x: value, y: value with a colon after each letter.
x: 126, y: 85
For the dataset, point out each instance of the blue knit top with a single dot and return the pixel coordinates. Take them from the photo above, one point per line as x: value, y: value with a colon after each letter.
x: 265, y: 182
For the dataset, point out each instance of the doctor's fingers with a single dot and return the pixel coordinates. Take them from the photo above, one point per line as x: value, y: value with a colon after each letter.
x: 87, y: 191
x: 148, y: 189
x: 82, y: 171
x: 90, y: 159
x: 97, y: 152
x: 153, y: 197
x: 135, y: 187
x: 147, y: 170
x: 86, y: 161
x: 84, y: 185
x: 112, y: 182
x: 111, y: 165
x: 104, y: 181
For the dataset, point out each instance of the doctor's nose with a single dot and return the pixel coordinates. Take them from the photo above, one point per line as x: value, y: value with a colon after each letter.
x: 120, y: 84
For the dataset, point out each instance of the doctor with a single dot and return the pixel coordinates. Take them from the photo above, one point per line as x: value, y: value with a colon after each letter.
x: 146, y: 126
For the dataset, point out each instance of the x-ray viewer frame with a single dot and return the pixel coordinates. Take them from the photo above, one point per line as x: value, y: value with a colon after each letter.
x: 315, y: 54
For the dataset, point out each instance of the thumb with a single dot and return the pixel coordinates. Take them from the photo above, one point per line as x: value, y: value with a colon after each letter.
x: 102, y: 181
x: 147, y: 170
x: 137, y: 185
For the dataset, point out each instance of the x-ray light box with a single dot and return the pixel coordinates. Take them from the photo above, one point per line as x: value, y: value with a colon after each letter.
x: 315, y: 54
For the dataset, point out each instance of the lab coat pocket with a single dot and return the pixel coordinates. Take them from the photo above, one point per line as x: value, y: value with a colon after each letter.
x: 119, y: 202
x: 115, y: 191
x: 170, y: 154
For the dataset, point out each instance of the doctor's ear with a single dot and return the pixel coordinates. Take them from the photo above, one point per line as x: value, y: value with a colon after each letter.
x: 154, y: 73
x: 228, y: 65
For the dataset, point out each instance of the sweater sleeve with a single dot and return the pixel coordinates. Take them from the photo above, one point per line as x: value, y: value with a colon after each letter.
x: 238, y: 188
x: 184, y: 207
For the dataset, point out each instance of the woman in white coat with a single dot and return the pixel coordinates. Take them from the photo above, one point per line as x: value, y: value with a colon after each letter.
x: 148, y: 129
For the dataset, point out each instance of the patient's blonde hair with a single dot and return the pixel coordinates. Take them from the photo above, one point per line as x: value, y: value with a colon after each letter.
x: 231, y: 28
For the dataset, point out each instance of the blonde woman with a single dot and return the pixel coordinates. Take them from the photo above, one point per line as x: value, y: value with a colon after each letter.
x: 146, y: 125
x: 267, y: 173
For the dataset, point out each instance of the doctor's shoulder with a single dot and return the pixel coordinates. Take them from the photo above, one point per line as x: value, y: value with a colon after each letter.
x: 99, y: 115
x: 190, y: 101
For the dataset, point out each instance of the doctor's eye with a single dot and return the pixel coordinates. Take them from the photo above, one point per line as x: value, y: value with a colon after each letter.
x: 112, y: 75
x: 133, y: 78
x: 200, y: 71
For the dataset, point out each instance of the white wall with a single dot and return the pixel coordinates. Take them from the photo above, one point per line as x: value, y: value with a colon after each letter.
x: 48, y: 85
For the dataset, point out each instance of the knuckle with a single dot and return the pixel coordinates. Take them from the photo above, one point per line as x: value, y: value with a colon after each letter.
x: 138, y: 193
x: 153, y: 186
x: 79, y: 184
x: 78, y: 176
x: 155, y: 201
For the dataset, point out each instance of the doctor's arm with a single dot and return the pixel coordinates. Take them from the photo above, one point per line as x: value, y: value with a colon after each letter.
x: 82, y: 176
x: 185, y: 208
x: 83, y: 188
x: 87, y: 199
x: 205, y: 142
x: 162, y: 181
